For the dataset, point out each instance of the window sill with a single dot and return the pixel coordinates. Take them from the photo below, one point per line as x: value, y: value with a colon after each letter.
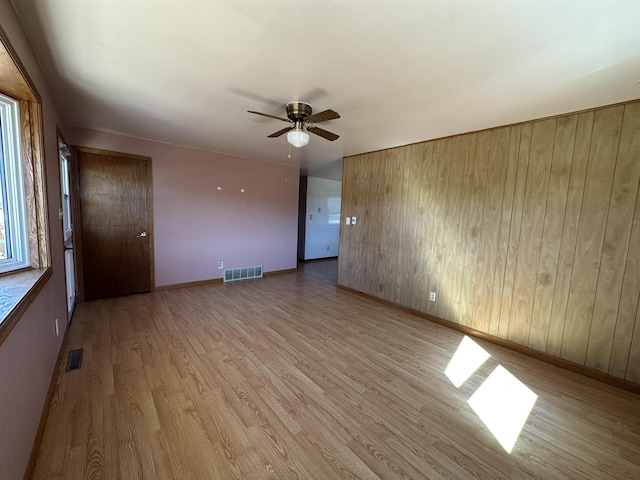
x: 17, y: 292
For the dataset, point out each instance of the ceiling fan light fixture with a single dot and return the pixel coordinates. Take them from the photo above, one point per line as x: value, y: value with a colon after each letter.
x: 298, y: 138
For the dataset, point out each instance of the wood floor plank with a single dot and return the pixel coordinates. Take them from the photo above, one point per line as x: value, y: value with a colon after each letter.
x: 288, y: 378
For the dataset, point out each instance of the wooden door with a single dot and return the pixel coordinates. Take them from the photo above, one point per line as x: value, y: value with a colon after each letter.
x: 115, y: 206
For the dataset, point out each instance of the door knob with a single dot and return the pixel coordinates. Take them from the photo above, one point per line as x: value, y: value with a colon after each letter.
x: 142, y: 234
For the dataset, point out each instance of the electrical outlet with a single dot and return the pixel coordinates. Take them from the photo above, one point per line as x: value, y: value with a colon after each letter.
x: 57, y: 328
x: 220, y: 265
x: 432, y: 296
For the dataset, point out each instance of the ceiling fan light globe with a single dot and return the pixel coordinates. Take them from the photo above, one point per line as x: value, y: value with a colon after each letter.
x: 298, y: 138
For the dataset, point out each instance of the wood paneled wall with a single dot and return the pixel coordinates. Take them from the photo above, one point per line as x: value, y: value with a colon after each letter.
x: 529, y: 232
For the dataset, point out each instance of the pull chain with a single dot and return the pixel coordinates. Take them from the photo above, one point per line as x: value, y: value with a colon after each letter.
x: 289, y: 156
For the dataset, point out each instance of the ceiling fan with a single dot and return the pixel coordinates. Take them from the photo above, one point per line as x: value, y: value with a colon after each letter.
x: 301, y: 120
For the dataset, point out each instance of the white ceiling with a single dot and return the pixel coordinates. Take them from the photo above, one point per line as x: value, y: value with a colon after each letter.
x: 397, y: 71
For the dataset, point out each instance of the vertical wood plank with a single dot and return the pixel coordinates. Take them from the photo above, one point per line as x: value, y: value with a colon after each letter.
x: 468, y: 151
x: 514, y: 230
x: 404, y: 255
x: 365, y: 208
x: 345, y: 242
x: 595, y: 206
x: 502, y: 247
x: 411, y: 240
x: 573, y: 208
x: 418, y: 156
x: 442, y: 157
x: 624, y: 363
x: 633, y: 367
x: 391, y: 219
x: 491, y: 213
x: 450, y: 266
x: 369, y: 229
x: 474, y: 229
x: 552, y: 234
x: 616, y: 241
x: 531, y: 229
x: 427, y: 198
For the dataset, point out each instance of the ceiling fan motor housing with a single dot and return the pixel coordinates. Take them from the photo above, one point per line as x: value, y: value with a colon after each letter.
x: 298, y: 110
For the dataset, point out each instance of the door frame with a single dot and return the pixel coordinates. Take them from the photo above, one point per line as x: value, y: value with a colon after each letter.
x: 77, y: 212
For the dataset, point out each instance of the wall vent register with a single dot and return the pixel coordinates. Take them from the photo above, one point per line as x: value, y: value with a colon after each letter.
x: 242, y: 273
x: 74, y: 362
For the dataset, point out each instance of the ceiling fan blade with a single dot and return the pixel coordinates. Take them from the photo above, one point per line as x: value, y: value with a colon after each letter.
x: 323, y: 133
x: 280, y: 132
x: 322, y: 116
x: 270, y: 116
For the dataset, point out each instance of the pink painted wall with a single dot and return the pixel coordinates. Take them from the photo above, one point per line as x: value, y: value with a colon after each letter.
x: 28, y: 355
x: 196, y: 225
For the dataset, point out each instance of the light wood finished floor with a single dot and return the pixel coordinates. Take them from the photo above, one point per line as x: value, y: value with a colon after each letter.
x: 288, y: 378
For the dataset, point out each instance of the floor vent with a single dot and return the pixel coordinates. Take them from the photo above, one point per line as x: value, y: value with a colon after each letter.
x: 233, y: 274
x: 74, y: 362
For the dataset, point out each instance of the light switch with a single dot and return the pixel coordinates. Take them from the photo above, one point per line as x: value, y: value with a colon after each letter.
x: 310, y: 217
x: 347, y: 220
x: 353, y: 220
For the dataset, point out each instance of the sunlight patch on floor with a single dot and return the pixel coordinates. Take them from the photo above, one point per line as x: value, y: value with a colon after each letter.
x: 468, y: 358
x: 503, y: 403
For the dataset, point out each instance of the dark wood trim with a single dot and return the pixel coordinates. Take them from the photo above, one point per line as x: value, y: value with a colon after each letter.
x: 152, y: 241
x: 35, y: 449
x: 198, y: 283
x: 545, y: 357
x: 300, y: 260
x: 111, y: 153
x: 77, y: 222
x: 32, y: 95
x: 278, y: 272
x: 531, y: 120
x: 62, y: 137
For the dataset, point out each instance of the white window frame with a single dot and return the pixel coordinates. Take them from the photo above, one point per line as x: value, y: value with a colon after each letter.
x: 15, y: 214
x: 65, y: 186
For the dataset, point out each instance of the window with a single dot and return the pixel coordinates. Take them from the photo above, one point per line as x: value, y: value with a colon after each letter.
x: 14, y: 240
x: 25, y: 259
x: 65, y: 169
